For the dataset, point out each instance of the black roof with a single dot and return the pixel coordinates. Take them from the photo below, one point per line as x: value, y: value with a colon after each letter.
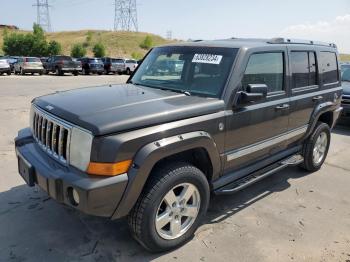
x: 252, y: 42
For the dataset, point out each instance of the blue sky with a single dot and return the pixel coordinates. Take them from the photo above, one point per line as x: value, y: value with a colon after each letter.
x: 200, y: 19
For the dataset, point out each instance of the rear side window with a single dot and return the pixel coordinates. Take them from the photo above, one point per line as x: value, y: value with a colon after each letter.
x: 265, y: 68
x: 329, y: 67
x: 304, y: 70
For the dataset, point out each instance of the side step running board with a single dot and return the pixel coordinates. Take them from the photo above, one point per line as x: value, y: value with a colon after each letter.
x: 257, y: 176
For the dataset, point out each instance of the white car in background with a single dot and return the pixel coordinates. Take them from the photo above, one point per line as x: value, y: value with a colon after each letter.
x: 5, y: 67
x: 130, y: 66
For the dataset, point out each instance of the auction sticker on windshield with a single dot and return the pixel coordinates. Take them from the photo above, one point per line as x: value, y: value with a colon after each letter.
x: 207, y: 59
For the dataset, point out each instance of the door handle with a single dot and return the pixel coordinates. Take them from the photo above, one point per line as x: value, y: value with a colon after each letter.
x: 282, y: 107
x: 317, y: 98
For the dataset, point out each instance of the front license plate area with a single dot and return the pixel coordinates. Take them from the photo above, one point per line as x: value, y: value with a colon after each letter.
x: 26, y: 171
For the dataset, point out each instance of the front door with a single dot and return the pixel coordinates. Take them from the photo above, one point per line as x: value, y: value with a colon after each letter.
x: 258, y: 130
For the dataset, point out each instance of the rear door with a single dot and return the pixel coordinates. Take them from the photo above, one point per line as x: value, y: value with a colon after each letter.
x: 306, y: 87
x: 256, y: 131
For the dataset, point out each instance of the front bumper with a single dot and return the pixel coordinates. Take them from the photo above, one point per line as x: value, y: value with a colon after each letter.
x: 98, y: 196
x: 346, y: 110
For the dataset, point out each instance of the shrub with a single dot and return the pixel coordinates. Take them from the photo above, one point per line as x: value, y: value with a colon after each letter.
x: 78, y: 50
x: 136, y: 55
x: 54, y: 48
x: 99, y: 50
x: 147, y: 43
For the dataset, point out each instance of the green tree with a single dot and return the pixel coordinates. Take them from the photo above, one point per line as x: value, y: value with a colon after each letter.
x: 31, y: 44
x: 88, y: 39
x: 54, y: 48
x: 147, y: 43
x: 78, y: 50
x: 99, y: 50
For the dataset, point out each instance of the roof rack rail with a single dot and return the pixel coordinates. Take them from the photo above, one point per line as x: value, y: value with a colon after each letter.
x: 280, y: 40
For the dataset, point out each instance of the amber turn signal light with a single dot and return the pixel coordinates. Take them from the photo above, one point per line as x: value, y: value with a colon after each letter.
x: 108, y: 169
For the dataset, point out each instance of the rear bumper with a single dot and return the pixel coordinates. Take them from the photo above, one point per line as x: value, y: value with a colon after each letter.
x: 33, y: 70
x: 98, y: 196
x: 71, y: 70
x: 5, y: 69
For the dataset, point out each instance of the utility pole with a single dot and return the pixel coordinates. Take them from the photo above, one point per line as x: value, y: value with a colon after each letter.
x: 125, y: 16
x: 169, y: 35
x: 43, y: 14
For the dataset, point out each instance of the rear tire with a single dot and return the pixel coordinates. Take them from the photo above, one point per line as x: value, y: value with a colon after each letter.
x: 170, y: 208
x: 22, y: 72
x: 9, y: 73
x: 128, y: 72
x: 316, y: 147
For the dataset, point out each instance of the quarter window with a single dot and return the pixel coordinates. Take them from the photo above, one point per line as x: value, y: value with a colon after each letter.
x: 329, y: 67
x: 304, y: 71
x: 265, y: 68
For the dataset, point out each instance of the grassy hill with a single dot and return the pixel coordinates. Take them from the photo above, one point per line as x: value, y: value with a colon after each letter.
x: 118, y: 44
x: 345, y: 57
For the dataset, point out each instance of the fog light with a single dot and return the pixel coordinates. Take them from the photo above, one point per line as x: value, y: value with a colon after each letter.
x: 73, y: 196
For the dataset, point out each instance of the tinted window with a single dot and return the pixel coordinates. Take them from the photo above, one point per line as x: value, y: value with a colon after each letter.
x: 119, y: 61
x: 131, y: 61
x: 95, y: 60
x: 265, y: 68
x: 32, y: 59
x: 313, y: 69
x: 303, y: 69
x: 64, y: 58
x: 329, y: 67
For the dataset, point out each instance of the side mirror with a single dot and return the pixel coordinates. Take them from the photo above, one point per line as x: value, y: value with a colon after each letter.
x: 253, y: 93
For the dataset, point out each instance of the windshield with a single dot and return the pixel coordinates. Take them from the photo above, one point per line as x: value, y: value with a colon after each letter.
x: 196, y: 70
x: 345, y: 73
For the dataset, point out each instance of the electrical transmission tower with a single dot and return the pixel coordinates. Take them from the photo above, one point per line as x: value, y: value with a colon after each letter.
x: 125, y: 18
x: 43, y: 14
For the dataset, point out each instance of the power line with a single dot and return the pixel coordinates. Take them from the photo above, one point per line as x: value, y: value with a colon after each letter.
x: 43, y: 14
x: 125, y: 15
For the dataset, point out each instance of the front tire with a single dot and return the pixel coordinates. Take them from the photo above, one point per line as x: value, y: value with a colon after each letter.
x: 316, y: 147
x: 170, y: 208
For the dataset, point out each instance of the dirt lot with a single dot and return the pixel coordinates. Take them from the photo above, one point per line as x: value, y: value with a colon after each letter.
x: 291, y: 216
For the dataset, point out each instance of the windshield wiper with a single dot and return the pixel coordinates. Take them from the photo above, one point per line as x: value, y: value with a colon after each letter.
x: 187, y: 93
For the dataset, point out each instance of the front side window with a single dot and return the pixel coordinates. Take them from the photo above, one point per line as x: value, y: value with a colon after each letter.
x: 200, y: 71
x: 265, y: 68
x: 329, y: 67
x: 304, y: 70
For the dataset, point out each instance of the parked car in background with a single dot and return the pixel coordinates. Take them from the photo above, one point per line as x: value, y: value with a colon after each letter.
x: 130, y: 66
x: 11, y: 60
x: 120, y: 64
x: 91, y: 65
x: 111, y: 65
x: 4, y: 67
x: 61, y: 65
x: 31, y: 65
x: 345, y: 77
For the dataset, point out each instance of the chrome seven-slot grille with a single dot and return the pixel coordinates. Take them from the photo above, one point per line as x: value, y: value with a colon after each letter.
x: 51, y: 134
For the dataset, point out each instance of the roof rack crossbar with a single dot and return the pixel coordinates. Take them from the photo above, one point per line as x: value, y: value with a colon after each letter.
x: 280, y: 40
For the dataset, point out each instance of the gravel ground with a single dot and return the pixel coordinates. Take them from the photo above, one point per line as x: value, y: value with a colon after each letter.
x: 290, y: 216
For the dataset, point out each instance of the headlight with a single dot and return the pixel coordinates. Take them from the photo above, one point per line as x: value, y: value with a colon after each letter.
x: 31, y: 118
x: 80, y: 148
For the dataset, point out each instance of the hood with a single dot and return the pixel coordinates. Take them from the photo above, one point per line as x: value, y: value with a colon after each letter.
x: 346, y: 88
x: 111, y: 109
